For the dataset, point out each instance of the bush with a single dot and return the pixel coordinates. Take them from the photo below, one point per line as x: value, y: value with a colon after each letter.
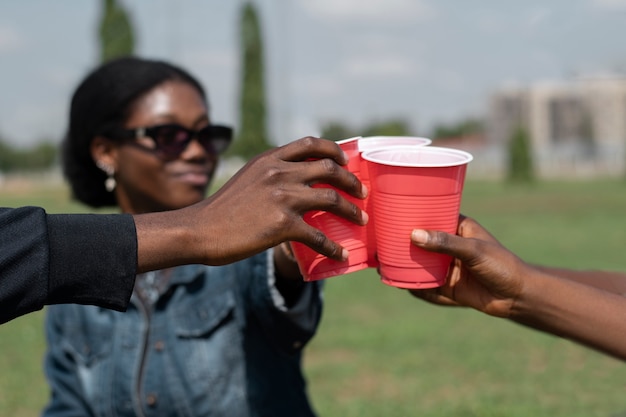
x: 520, y: 167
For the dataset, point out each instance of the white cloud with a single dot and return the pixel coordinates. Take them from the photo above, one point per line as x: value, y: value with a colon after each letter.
x: 10, y: 38
x: 369, y: 11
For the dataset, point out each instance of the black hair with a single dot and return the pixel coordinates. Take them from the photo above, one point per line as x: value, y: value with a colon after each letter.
x: 103, y: 100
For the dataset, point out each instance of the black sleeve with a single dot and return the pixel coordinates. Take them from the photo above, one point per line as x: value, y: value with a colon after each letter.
x: 64, y: 258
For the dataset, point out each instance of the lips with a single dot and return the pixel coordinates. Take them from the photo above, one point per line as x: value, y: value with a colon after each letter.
x: 197, y: 178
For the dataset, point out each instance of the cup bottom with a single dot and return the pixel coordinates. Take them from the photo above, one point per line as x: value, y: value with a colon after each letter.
x: 314, y: 266
x: 334, y: 272
x: 412, y: 278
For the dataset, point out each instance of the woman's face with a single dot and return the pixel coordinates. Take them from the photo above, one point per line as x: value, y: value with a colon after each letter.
x: 148, y: 183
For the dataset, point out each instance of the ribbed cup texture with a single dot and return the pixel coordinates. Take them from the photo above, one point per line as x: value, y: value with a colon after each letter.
x: 406, y: 198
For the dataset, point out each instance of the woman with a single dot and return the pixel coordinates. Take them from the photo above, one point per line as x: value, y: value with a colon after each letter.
x: 196, y: 340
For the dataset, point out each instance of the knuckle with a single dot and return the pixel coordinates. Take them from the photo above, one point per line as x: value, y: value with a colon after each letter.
x: 354, y: 211
x: 355, y: 184
x: 329, y: 166
x: 281, y: 225
x: 440, y: 240
x: 278, y: 194
x: 308, y: 142
x: 332, y: 197
x: 318, y: 239
x: 273, y: 173
x: 477, y: 251
x: 283, y: 221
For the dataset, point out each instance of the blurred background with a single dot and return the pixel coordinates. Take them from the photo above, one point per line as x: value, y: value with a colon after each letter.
x: 535, y: 90
x: 474, y: 72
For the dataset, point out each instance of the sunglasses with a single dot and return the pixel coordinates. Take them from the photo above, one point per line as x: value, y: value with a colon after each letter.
x: 171, y: 140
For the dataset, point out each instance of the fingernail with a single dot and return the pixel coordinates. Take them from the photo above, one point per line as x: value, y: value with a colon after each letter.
x: 364, y: 190
x: 365, y: 217
x: 344, y: 254
x: 419, y: 236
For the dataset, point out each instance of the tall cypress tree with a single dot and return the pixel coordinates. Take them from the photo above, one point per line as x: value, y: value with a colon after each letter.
x: 251, y: 136
x: 520, y: 167
x: 116, y: 32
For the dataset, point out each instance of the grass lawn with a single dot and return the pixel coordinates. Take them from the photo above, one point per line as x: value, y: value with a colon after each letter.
x: 380, y: 352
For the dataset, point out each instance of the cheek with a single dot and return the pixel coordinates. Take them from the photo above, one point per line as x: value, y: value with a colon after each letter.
x: 138, y: 170
x: 138, y: 175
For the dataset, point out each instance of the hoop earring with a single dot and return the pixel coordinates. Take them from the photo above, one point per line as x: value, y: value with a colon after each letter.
x: 109, y: 183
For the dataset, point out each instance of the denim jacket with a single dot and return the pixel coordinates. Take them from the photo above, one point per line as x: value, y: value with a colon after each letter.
x: 214, y: 344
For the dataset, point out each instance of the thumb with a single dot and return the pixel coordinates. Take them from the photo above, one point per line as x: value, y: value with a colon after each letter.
x: 442, y: 242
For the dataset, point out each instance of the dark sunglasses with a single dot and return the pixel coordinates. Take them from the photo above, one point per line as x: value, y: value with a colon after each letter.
x: 171, y: 140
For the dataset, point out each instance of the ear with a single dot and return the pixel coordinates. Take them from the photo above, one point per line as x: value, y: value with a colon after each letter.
x: 104, y: 153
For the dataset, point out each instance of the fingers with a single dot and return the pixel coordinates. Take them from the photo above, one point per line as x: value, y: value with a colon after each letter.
x: 318, y: 161
x: 296, y: 178
x: 325, y: 160
x: 466, y: 246
x: 326, y: 171
x: 319, y: 242
x: 290, y: 188
x: 459, y: 247
x: 308, y: 185
x: 330, y: 200
x: 312, y: 148
x: 433, y: 295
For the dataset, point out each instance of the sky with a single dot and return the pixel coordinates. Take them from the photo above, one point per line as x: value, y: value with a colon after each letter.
x: 354, y: 61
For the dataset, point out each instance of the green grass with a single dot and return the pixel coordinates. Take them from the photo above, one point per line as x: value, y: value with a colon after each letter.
x: 380, y: 352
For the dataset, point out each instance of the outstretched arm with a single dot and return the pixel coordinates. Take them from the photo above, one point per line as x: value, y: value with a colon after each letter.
x: 93, y: 259
x: 488, y: 277
x: 611, y: 281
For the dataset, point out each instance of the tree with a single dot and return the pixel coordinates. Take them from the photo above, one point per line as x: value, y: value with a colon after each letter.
x: 251, y: 138
x: 587, y: 139
x: 39, y: 158
x: 463, y: 128
x: 337, y: 130
x: 116, y: 32
x: 520, y: 168
x: 394, y: 127
x: 7, y: 157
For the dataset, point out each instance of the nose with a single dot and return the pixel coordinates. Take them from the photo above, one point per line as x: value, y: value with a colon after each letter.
x: 195, y: 151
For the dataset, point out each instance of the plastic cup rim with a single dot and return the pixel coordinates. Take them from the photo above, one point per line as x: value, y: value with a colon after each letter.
x: 342, y: 141
x: 396, y: 136
x: 363, y: 141
x: 467, y: 157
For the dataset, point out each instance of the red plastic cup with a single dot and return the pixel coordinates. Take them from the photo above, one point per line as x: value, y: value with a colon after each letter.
x: 314, y: 266
x: 414, y: 187
x: 369, y: 143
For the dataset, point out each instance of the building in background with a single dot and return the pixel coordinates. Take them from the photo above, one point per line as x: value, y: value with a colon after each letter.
x: 576, y: 127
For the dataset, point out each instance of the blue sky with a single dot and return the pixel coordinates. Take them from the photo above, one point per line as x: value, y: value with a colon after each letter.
x: 357, y: 61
